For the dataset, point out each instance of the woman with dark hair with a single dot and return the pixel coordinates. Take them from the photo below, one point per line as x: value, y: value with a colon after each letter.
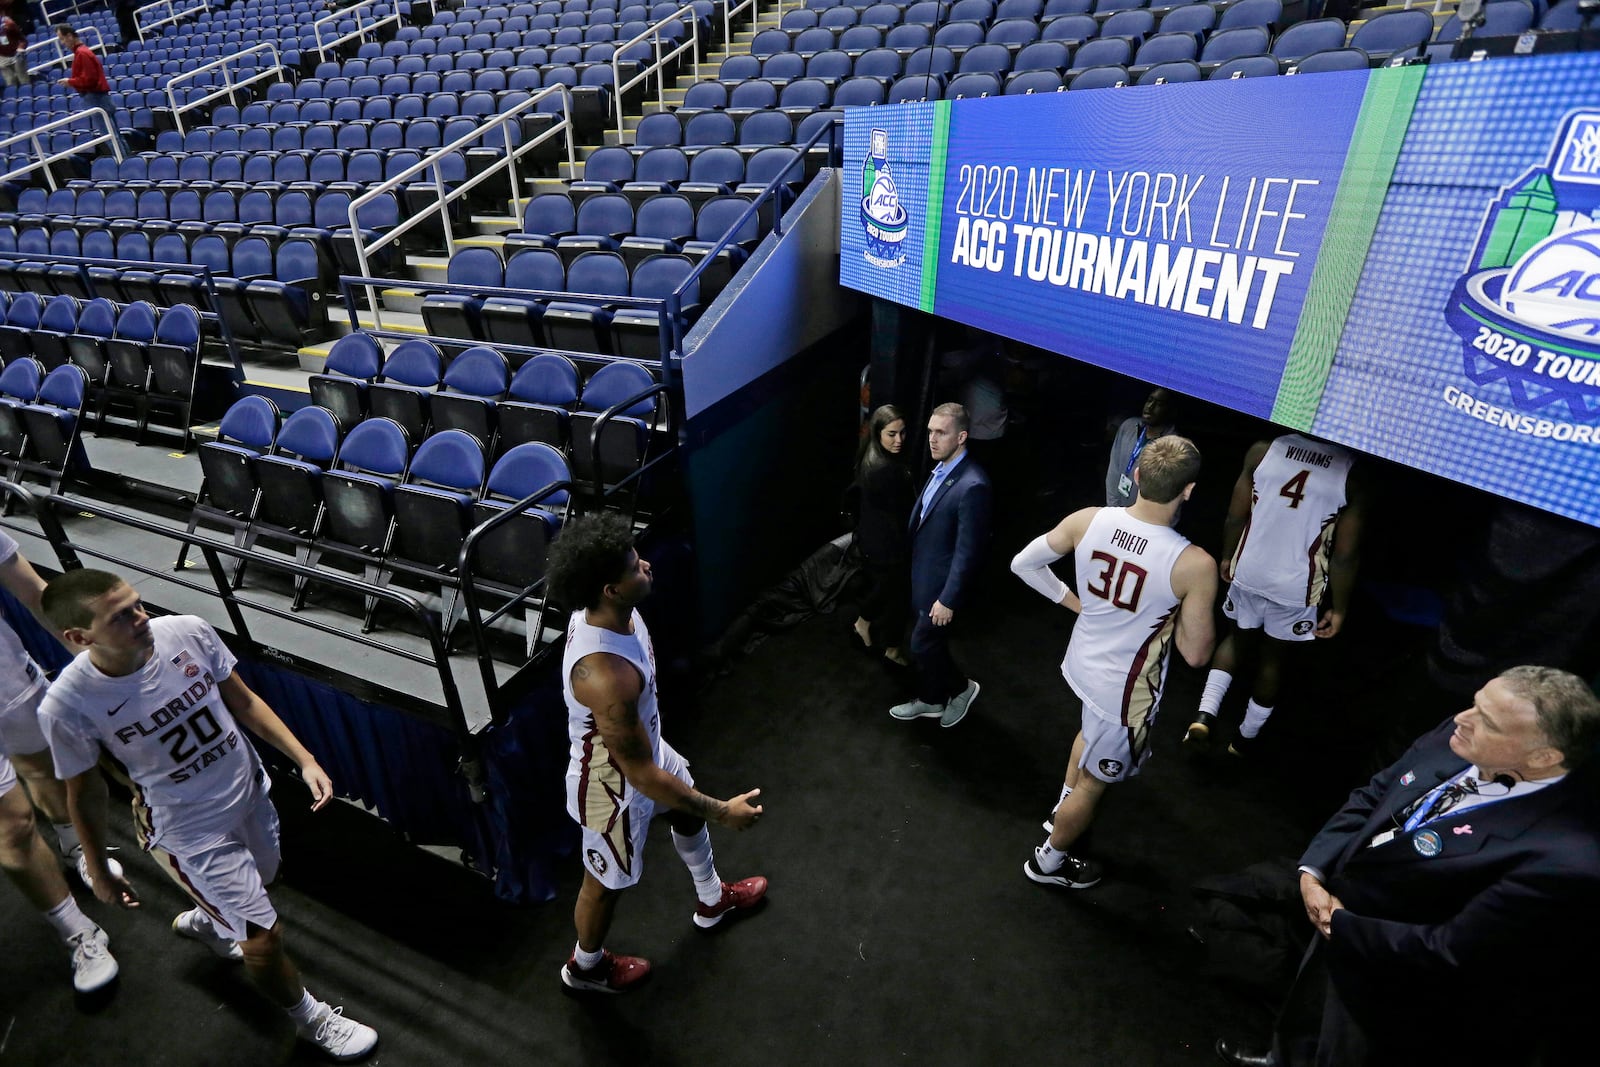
x: 884, y: 482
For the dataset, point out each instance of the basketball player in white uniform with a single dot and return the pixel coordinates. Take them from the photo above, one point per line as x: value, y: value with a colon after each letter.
x: 26, y: 859
x: 621, y: 772
x: 1291, y: 541
x: 160, y: 698
x: 1142, y: 587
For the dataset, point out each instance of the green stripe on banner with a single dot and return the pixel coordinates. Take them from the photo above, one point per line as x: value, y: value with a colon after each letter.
x: 1380, y: 131
x: 938, y: 153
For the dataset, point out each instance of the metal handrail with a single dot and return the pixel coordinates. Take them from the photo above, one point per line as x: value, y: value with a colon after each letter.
x: 449, y: 196
x: 730, y: 9
x: 360, y: 31
x: 615, y: 299
x: 45, y: 159
x: 68, y: 7
x: 67, y: 552
x: 63, y: 58
x: 469, y: 597
x: 228, y: 84
x: 653, y: 33
x: 173, y: 15
x: 83, y: 263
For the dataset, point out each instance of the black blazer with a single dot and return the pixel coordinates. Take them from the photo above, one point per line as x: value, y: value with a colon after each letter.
x: 886, y: 493
x: 1466, y: 934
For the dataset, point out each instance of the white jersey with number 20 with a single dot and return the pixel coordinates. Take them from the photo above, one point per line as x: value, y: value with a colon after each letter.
x: 165, y: 724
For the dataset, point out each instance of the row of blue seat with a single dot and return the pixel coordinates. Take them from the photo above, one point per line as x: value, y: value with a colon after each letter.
x: 230, y: 212
x: 271, y: 283
x: 347, y: 135
x: 606, y: 30
x: 346, y: 107
x: 41, y: 415
x: 136, y: 354
x: 498, y: 71
x: 1023, y: 83
x: 202, y: 170
x: 367, y: 495
x: 476, y: 16
x: 575, y: 323
x: 479, y: 391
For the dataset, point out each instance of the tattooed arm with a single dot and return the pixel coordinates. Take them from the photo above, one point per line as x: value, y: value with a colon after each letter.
x: 609, y: 687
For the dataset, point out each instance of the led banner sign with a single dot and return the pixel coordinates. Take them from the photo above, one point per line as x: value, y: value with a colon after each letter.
x: 1404, y: 260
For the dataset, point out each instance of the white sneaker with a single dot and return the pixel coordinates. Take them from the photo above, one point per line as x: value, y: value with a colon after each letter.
x: 93, y: 966
x: 196, y: 926
x: 80, y: 863
x: 341, y: 1038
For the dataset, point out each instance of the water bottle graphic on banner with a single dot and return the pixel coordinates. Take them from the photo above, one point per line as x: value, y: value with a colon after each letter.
x: 882, y: 217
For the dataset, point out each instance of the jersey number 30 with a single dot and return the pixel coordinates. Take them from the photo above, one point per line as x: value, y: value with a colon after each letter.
x: 1119, y: 581
x: 202, y: 726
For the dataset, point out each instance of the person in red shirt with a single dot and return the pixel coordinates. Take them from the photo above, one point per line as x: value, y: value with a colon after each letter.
x: 89, y: 78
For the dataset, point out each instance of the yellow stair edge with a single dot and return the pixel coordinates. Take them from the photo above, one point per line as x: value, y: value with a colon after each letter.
x: 317, y: 351
x: 279, y: 386
x: 481, y: 241
x: 367, y: 323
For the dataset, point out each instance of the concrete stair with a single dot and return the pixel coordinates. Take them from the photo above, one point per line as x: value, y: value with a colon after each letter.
x: 402, y: 308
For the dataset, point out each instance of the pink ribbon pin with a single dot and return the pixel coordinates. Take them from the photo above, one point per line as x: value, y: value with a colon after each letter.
x: 1462, y: 829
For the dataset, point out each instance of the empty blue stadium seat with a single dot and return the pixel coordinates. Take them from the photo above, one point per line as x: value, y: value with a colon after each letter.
x: 1304, y: 38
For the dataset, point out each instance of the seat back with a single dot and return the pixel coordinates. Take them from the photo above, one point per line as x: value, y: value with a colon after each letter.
x: 415, y: 363
x: 252, y: 422
x: 310, y: 434
x: 539, y: 269
x: 376, y: 446
x: 480, y: 371
x: 452, y: 459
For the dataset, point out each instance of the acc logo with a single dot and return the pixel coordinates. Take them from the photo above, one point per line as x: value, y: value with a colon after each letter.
x: 1528, y: 312
x: 1302, y: 627
x: 1111, y: 768
x: 191, y: 670
x: 597, y: 861
x: 882, y: 217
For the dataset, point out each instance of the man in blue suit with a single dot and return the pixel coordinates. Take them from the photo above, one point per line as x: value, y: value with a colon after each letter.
x: 1454, y: 894
x: 949, y: 529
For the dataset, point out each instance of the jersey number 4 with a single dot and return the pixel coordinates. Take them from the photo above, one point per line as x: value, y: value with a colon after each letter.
x: 1119, y: 581
x: 201, y: 726
x: 1295, y: 488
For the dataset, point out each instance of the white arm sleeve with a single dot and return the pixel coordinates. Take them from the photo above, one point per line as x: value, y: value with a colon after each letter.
x: 1032, y: 565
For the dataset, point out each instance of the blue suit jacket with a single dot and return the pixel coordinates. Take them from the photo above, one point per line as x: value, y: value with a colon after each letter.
x: 947, y: 544
x: 1495, y: 906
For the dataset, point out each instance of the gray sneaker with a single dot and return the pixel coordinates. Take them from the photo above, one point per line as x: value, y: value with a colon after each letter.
x: 1072, y: 874
x: 916, y: 709
x: 956, y: 710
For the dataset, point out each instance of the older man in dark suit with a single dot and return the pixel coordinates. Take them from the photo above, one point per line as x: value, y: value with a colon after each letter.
x: 949, y: 529
x: 1454, y: 894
